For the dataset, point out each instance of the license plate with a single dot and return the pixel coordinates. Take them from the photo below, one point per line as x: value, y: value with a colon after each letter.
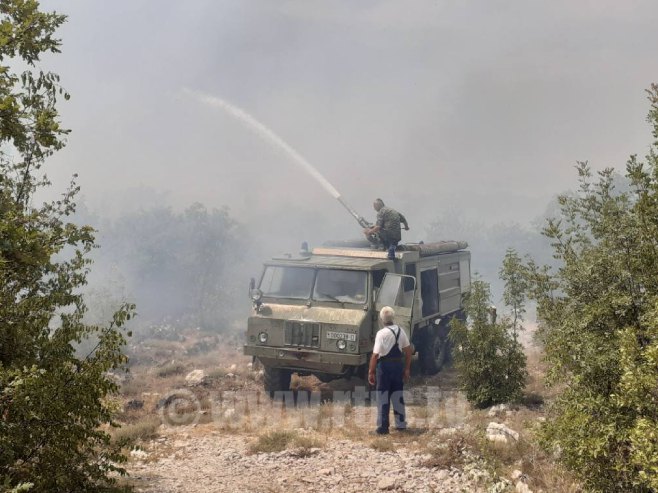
x: 341, y: 335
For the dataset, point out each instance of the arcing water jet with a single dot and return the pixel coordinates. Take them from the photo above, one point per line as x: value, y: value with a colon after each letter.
x: 268, y: 135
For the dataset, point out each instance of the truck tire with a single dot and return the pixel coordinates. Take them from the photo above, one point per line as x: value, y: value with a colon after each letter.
x: 276, y: 380
x: 434, y: 353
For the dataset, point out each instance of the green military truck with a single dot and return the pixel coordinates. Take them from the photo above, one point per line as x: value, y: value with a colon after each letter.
x: 317, y: 312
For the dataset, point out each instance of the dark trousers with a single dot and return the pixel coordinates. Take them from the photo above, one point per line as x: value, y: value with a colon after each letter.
x: 389, y: 391
x: 387, y: 240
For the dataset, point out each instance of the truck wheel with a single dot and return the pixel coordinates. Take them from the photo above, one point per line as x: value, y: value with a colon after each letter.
x: 435, y: 352
x: 276, y: 380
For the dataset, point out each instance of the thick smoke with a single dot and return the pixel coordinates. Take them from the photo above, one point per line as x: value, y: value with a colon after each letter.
x: 433, y: 106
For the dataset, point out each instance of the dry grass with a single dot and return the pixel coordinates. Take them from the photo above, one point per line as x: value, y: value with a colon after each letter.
x: 132, y: 388
x: 307, y: 445
x: 217, y: 373
x: 300, y: 445
x: 130, y: 434
x: 170, y: 369
x: 382, y: 444
x: 446, y: 454
x: 526, y: 456
x: 273, y: 441
x: 309, y: 441
x: 420, y: 412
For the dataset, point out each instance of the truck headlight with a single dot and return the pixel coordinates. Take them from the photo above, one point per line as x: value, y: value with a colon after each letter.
x: 341, y: 344
x: 262, y: 337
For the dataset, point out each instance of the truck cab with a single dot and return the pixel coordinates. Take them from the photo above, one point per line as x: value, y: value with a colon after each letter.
x: 317, y: 312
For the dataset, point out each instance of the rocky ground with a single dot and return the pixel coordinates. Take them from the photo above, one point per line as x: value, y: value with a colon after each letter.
x: 200, y: 425
x: 210, y: 461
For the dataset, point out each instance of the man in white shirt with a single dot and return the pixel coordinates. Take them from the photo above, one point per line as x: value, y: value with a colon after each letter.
x: 391, y: 365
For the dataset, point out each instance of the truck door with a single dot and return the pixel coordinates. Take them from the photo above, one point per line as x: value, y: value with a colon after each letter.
x: 399, y: 292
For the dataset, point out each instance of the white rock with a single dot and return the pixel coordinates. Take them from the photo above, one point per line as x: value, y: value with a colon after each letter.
x: 386, y: 483
x: 410, y: 487
x: 497, y: 438
x: 195, y: 377
x: 326, y: 472
x: 521, y: 487
x: 516, y: 475
x: 478, y: 474
x: 442, y: 475
x: 233, y: 367
x: 336, y: 479
x: 497, y: 432
x: 497, y: 410
x: 230, y: 375
x: 138, y: 454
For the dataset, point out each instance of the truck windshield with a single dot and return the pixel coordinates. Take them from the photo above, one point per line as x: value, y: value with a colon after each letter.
x: 346, y: 286
x: 288, y: 282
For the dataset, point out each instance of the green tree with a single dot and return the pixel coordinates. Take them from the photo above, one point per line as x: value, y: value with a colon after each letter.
x: 490, y: 361
x: 52, y: 400
x: 599, y: 314
x: 514, y: 275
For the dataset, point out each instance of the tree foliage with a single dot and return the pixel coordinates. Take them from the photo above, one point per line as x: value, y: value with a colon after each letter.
x: 514, y: 275
x: 490, y: 361
x: 52, y: 400
x: 599, y: 314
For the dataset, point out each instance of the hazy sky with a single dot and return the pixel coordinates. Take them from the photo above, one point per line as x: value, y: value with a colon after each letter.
x: 478, y: 105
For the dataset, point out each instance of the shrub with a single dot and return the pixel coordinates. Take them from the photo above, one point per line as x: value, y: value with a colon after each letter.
x: 490, y: 361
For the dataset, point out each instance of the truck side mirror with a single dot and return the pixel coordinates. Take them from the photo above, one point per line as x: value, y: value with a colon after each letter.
x: 255, y: 294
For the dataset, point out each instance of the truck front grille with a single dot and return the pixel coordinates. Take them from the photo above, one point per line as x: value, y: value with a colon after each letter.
x: 302, y: 334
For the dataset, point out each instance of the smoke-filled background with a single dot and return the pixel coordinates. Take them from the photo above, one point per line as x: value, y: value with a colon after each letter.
x: 465, y: 116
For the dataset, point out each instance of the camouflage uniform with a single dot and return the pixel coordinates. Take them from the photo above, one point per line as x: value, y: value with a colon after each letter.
x: 389, y: 221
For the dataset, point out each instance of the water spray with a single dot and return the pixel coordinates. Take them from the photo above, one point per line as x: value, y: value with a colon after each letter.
x: 268, y: 135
